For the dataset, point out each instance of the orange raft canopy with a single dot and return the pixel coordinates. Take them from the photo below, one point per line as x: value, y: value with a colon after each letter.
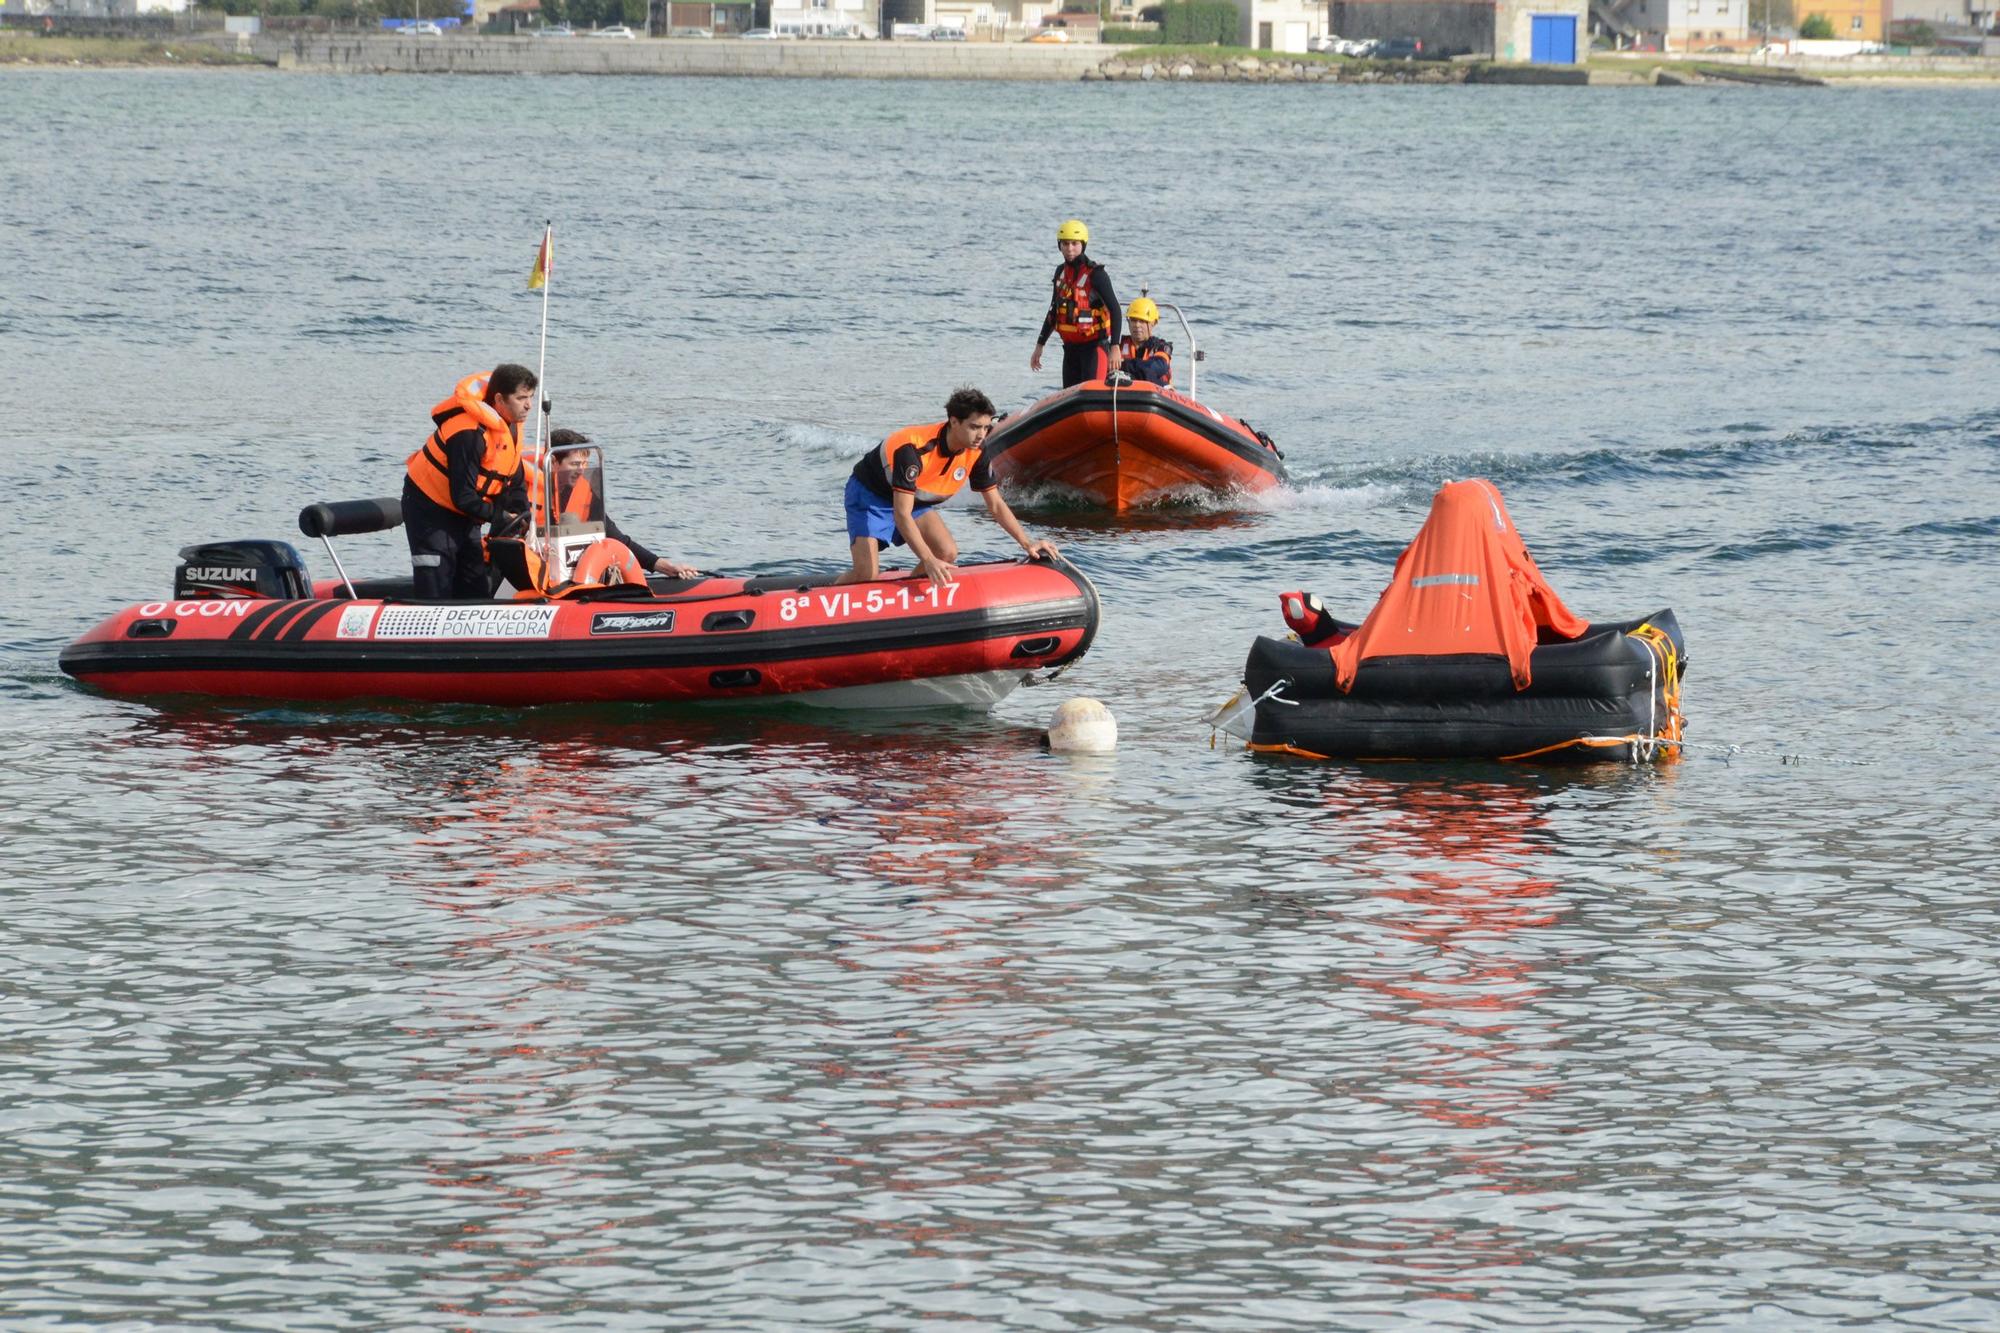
x: 1469, y: 653
x: 1465, y: 584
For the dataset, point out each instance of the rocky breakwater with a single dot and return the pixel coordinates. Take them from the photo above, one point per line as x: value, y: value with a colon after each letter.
x: 1182, y: 68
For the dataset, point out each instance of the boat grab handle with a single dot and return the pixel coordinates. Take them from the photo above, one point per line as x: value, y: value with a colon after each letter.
x: 348, y: 518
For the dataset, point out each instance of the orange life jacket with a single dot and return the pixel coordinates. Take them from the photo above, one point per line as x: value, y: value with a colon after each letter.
x: 1080, y: 316
x: 943, y: 476
x: 467, y: 407
x: 576, y: 504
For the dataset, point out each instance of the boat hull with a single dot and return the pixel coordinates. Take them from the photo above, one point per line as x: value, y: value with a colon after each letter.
x: 1607, y: 694
x: 892, y: 643
x: 1130, y: 447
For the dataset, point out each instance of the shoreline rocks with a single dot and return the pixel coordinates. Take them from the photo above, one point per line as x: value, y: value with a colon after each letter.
x: 1278, y: 69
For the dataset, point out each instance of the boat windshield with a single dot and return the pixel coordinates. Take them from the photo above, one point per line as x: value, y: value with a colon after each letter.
x: 579, y: 489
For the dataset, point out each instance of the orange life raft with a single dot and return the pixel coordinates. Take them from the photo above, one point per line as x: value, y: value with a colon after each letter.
x: 1129, y: 446
x: 1468, y: 654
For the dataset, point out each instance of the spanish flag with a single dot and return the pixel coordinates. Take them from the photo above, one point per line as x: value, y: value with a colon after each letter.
x: 545, y: 259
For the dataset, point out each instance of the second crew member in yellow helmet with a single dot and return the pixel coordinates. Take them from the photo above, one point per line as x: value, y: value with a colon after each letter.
x: 1143, y: 356
x: 1083, y: 309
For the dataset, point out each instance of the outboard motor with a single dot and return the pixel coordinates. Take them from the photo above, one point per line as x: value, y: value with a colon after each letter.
x: 241, y: 569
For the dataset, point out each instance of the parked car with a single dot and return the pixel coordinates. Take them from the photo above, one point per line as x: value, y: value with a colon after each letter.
x: 758, y: 35
x: 1396, y: 48
x: 1051, y: 35
x: 690, y: 32
x: 422, y: 28
x: 615, y: 30
x: 558, y: 30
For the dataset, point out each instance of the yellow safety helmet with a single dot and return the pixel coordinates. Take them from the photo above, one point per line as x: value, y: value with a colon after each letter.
x: 1143, y: 308
x: 1073, y: 230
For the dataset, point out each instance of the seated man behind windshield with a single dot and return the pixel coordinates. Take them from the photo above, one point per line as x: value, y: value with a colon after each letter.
x: 572, y: 473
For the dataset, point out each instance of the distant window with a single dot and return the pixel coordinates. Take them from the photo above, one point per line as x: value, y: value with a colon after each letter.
x: 1856, y: 25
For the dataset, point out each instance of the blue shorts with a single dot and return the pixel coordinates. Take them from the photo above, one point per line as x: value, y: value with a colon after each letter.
x: 869, y: 515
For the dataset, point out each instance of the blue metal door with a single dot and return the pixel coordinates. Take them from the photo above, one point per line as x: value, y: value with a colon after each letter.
x: 1553, y: 40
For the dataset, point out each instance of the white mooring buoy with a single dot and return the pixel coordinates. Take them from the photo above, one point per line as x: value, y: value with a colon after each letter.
x: 1083, y: 726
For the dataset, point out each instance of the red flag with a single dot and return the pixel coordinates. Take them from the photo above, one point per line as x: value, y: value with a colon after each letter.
x: 545, y: 259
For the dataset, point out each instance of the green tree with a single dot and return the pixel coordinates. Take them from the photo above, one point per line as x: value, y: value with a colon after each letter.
x: 1199, y: 22
x: 1817, y: 27
x: 364, y: 11
x: 1766, y: 15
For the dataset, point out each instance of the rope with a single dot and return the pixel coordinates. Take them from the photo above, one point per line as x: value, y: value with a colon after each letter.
x: 1032, y: 679
x: 1782, y: 756
x: 1229, y: 705
x: 1726, y: 751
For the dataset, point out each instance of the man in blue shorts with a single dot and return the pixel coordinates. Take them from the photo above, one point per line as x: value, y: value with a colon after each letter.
x: 897, y: 486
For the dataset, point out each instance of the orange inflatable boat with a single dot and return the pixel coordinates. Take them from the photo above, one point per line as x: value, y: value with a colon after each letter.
x: 1127, y: 446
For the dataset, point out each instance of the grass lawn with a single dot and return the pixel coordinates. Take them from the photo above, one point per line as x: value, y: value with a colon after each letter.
x: 1140, y: 53
x: 21, y: 48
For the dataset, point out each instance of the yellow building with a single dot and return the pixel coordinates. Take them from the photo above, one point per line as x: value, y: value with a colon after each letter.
x: 1852, y: 20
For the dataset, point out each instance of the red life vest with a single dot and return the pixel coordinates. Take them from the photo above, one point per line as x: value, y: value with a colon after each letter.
x: 1080, y: 316
x: 466, y: 408
x: 943, y: 475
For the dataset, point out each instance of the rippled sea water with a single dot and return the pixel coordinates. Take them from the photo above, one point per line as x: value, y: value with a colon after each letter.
x: 381, y: 1017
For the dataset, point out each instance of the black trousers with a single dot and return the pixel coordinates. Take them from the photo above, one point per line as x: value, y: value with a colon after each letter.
x: 1084, y: 361
x: 446, y: 555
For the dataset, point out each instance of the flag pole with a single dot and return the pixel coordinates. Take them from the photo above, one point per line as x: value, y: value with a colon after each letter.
x: 544, y: 262
x: 544, y: 269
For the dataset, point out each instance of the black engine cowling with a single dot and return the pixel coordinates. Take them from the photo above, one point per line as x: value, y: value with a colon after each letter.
x: 241, y: 569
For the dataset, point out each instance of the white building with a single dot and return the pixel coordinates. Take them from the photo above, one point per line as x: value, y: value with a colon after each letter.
x: 1281, y: 25
x: 823, y: 18
x: 1684, y: 25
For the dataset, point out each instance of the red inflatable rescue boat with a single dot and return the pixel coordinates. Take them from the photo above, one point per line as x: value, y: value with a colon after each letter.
x: 246, y: 623
x: 1127, y: 446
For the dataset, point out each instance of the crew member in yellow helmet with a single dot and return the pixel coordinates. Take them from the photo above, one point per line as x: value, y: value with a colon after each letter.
x: 1143, y: 356
x: 1083, y: 309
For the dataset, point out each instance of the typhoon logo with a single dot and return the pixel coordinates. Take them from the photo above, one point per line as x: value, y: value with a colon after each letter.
x: 632, y: 622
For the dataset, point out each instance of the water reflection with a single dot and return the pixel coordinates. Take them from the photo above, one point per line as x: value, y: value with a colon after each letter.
x: 1456, y: 907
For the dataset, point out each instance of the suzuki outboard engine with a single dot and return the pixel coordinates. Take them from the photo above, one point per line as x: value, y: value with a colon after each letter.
x: 241, y: 569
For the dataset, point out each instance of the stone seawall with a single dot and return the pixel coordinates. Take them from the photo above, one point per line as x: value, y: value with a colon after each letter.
x: 390, y: 54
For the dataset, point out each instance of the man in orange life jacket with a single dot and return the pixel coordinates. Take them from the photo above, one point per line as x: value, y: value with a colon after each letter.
x: 573, y: 497
x: 1083, y: 309
x: 897, y: 486
x: 1146, y: 357
x: 467, y: 472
